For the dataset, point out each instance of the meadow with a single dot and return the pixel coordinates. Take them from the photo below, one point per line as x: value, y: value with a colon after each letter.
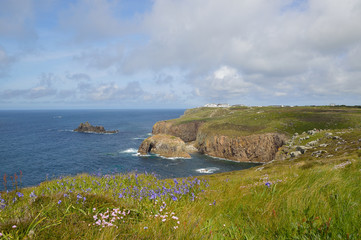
x: 310, y: 196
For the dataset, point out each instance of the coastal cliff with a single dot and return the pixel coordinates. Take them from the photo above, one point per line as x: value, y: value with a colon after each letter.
x: 253, y: 148
x: 250, y: 134
x: 186, y: 131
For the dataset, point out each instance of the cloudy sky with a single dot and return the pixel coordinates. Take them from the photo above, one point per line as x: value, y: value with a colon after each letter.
x: 178, y: 53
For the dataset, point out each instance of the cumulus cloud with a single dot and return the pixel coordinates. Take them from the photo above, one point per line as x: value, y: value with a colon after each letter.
x: 224, y: 82
x: 112, y: 91
x: 44, y: 88
x: 270, y: 43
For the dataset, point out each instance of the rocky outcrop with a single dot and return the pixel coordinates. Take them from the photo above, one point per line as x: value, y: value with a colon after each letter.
x: 186, y: 131
x: 253, y: 148
x: 165, y: 145
x: 88, y: 128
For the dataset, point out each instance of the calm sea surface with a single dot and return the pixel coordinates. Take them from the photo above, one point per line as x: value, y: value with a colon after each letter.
x: 42, y: 144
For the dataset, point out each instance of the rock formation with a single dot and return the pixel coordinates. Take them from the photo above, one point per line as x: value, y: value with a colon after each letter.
x: 253, y: 148
x: 88, y: 128
x: 186, y: 131
x: 165, y: 146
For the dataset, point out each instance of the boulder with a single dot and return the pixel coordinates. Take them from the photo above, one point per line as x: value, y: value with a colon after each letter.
x: 88, y: 128
x: 164, y: 145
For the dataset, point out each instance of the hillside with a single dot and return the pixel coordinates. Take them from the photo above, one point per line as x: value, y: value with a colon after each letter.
x: 311, y: 190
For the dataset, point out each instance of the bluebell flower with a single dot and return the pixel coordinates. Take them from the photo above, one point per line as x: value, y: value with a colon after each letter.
x: 20, y: 194
x: 59, y: 201
x: 268, y: 184
x: 32, y: 195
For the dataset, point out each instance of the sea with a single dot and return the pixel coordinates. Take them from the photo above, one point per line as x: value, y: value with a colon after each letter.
x: 40, y: 145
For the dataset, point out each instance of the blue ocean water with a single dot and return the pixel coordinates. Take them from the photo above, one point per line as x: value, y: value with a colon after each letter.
x: 43, y: 146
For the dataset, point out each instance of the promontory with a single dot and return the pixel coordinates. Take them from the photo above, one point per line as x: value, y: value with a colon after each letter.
x: 244, y: 134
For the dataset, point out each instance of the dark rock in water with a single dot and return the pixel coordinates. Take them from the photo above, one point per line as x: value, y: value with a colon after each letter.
x: 88, y: 128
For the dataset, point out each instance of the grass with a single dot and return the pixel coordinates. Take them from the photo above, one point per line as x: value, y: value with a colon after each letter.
x: 303, y: 197
x: 240, y: 121
x: 281, y: 200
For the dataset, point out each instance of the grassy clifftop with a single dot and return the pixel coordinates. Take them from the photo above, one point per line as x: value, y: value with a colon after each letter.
x: 240, y: 121
x: 313, y: 195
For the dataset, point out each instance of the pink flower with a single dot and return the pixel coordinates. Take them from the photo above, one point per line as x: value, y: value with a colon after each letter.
x: 14, y: 226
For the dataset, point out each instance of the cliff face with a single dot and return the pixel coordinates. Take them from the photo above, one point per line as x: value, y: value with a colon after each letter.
x: 186, y: 131
x: 164, y: 145
x: 253, y: 148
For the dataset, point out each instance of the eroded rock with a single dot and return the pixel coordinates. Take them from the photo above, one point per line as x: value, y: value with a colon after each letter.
x: 88, y: 128
x: 165, y: 145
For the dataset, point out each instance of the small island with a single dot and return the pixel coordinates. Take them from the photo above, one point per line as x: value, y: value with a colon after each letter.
x: 88, y: 128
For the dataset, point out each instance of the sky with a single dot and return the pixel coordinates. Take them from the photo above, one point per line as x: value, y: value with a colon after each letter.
x: 116, y: 54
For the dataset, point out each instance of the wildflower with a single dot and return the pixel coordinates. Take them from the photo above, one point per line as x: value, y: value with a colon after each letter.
x: 164, y: 219
x: 59, y: 201
x: 20, y: 194
x: 1, y: 234
x: 14, y: 226
x: 175, y: 227
x: 268, y: 184
x: 174, y: 198
x: 145, y: 228
x: 32, y: 195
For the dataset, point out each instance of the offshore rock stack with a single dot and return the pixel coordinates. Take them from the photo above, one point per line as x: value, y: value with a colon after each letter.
x: 88, y: 128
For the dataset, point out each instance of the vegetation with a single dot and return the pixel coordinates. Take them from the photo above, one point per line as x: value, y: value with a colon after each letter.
x: 309, y: 196
x: 240, y: 121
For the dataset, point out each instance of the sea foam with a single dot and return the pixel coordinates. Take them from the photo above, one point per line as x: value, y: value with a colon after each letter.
x: 207, y: 170
x: 129, y: 150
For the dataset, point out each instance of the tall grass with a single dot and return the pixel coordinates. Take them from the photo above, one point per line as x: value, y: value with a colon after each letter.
x: 280, y: 202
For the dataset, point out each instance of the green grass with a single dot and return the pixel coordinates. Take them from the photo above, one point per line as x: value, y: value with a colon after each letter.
x: 303, y: 197
x: 316, y: 202
x: 240, y: 121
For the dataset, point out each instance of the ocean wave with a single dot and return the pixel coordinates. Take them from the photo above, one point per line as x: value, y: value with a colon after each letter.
x: 207, y: 170
x: 139, y: 138
x: 129, y: 150
x: 172, y: 158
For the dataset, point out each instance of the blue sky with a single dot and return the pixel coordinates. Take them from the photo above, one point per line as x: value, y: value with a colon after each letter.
x: 178, y: 54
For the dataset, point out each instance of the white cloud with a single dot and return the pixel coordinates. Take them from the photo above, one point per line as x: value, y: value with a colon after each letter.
x: 270, y: 43
x: 90, y: 20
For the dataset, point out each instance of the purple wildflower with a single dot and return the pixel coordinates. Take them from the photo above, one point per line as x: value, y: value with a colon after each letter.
x: 268, y: 184
x: 20, y: 194
x: 59, y: 201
